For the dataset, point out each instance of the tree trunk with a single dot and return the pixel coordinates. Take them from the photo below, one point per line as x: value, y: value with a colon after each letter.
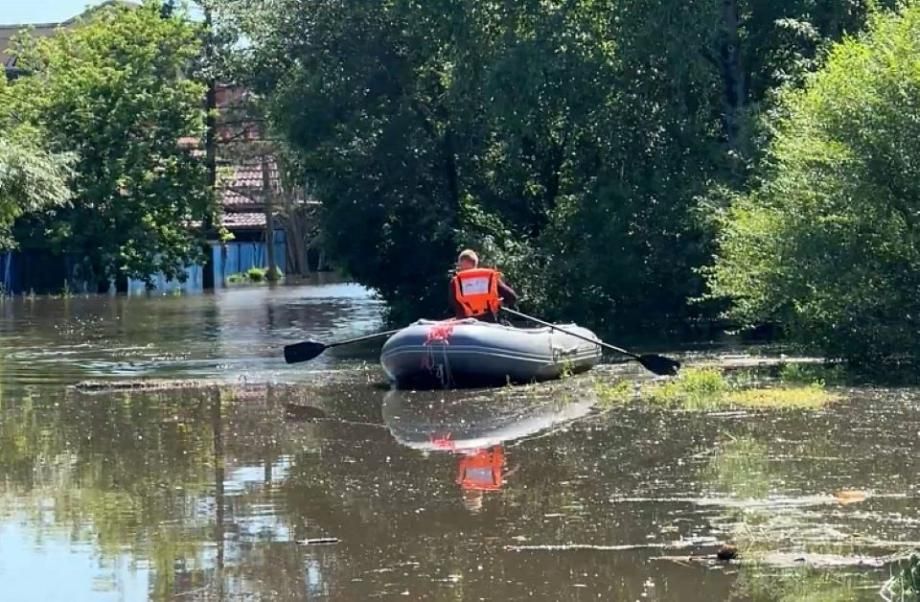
x: 267, y: 199
x: 295, y: 229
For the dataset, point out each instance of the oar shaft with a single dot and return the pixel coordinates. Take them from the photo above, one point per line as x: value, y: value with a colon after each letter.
x: 367, y: 337
x: 569, y: 332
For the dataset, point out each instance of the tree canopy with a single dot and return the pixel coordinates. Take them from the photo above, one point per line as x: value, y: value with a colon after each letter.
x: 114, y: 90
x: 630, y: 164
x: 571, y: 141
x: 31, y: 178
x: 827, y: 243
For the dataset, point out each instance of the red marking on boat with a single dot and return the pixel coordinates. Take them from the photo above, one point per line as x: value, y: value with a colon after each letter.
x: 440, y: 333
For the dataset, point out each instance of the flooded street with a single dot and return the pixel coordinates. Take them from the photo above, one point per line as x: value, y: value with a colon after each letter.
x: 316, y: 481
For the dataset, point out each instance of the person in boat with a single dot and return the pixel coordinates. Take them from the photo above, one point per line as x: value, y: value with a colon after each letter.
x: 477, y: 292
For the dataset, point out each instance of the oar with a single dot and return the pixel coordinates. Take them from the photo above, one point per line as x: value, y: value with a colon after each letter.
x: 663, y: 366
x: 307, y: 350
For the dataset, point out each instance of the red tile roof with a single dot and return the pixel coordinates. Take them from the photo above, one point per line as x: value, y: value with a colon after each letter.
x: 249, y: 175
x: 243, y: 221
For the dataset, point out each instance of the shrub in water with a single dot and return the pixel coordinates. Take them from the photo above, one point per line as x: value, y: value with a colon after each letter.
x: 256, y: 274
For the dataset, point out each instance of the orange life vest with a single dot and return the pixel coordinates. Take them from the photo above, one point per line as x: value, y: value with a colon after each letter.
x: 476, y: 291
x: 482, y: 471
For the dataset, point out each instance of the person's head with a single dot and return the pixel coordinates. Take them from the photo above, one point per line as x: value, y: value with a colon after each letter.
x: 467, y: 260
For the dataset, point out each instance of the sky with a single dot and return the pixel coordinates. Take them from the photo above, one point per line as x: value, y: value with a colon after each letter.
x: 41, y: 11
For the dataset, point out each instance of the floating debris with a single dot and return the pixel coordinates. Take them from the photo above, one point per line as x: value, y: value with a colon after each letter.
x: 849, y: 496
x: 727, y: 552
x: 319, y: 541
x: 145, y: 384
x: 568, y: 547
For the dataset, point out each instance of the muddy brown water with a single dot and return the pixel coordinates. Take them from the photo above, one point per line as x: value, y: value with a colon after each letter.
x: 309, y: 482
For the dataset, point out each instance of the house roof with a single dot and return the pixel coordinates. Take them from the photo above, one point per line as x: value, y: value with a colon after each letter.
x: 40, y: 30
x: 44, y: 30
x: 243, y: 221
x: 248, y: 174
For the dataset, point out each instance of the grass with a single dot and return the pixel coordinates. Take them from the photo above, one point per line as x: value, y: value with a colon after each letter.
x: 696, y: 388
x: 704, y: 389
x: 616, y: 394
x: 761, y: 584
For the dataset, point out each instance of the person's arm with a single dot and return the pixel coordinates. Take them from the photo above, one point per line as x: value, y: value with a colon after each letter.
x: 452, y: 301
x: 509, y: 297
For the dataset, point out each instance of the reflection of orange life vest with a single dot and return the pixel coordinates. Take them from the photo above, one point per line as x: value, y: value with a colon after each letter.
x: 483, y: 470
x: 476, y: 291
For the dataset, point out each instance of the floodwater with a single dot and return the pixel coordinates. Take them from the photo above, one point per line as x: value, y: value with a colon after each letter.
x: 315, y: 481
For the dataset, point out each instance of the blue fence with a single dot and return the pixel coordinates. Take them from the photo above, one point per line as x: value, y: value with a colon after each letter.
x: 6, y: 272
x: 21, y: 273
x: 237, y: 257
x: 194, y: 283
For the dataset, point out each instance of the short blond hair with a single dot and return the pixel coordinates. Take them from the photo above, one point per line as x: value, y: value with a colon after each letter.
x: 469, y: 254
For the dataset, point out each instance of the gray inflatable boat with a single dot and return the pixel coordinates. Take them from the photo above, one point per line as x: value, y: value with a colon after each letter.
x: 464, y: 353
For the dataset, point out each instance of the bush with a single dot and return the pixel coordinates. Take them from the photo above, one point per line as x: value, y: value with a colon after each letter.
x: 254, y: 275
x: 829, y: 244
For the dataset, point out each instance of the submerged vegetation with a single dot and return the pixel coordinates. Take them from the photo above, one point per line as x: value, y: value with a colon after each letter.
x: 811, y: 396
x: 779, y: 557
x: 741, y: 469
x: 711, y: 388
x: 904, y: 585
x: 763, y: 584
x: 255, y: 276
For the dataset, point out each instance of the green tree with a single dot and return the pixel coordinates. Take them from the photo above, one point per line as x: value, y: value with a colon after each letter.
x: 827, y: 243
x: 571, y: 140
x: 31, y: 178
x: 114, y: 90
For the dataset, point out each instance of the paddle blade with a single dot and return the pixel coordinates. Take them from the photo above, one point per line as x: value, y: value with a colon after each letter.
x: 302, y: 352
x: 660, y: 365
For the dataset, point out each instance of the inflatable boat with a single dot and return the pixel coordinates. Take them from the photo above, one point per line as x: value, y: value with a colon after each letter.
x: 464, y: 353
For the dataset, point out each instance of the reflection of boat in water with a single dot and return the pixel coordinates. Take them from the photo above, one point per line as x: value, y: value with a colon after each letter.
x: 469, y: 421
x: 459, y: 353
x: 473, y: 425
